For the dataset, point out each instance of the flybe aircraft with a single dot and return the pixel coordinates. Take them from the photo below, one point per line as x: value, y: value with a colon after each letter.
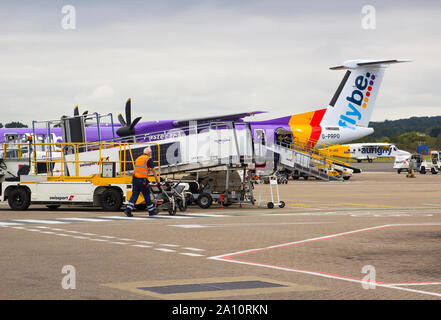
x: 344, y: 119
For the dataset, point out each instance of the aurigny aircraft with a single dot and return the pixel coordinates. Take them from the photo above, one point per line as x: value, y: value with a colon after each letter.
x: 346, y: 118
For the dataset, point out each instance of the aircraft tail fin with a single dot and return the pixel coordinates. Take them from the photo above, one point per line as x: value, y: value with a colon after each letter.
x: 354, y: 100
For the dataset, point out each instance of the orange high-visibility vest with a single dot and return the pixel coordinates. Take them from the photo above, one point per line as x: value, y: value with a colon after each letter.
x: 141, y: 169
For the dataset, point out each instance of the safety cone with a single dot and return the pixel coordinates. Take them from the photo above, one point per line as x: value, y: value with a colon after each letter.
x: 410, y: 173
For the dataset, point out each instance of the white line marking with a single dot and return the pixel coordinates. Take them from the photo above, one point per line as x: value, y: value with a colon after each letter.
x: 116, y: 242
x: 168, y: 245
x: 188, y: 226
x: 41, y: 221
x: 165, y: 250
x: 83, y: 219
x: 124, y: 239
x: 140, y: 246
x: 93, y: 239
x: 191, y: 254
x: 6, y: 224
x: 123, y: 218
x: 193, y: 249
x: 171, y: 217
x: 210, y: 215
x: 148, y: 242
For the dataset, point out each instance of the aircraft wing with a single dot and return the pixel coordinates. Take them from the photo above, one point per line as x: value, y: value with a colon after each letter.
x: 228, y: 117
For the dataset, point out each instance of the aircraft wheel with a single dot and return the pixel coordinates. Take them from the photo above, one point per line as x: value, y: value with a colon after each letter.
x: 19, y: 199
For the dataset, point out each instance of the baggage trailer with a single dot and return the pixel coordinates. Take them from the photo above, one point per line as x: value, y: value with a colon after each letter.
x: 61, y: 184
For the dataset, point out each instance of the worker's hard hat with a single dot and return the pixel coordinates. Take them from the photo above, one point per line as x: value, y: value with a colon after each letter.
x: 147, y: 150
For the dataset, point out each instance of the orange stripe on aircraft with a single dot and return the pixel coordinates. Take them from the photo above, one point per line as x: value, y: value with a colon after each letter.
x: 306, y: 126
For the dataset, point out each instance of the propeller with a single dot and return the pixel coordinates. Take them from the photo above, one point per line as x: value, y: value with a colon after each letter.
x: 77, y: 112
x: 127, y: 126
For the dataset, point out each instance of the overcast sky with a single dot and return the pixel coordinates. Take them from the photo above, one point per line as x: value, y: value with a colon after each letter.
x: 179, y: 59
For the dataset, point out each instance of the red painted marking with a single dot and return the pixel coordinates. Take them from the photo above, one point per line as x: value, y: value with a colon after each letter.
x: 316, y: 129
x: 229, y: 257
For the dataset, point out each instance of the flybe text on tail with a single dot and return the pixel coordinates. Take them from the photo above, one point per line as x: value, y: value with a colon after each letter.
x: 357, y: 100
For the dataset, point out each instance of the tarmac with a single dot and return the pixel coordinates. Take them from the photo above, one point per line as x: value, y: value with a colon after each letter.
x: 373, y: 237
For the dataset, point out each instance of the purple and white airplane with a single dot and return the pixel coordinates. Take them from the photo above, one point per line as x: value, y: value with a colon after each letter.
x: 345, y: 118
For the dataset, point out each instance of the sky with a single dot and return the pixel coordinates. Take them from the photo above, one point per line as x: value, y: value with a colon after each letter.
x: 180, y: 59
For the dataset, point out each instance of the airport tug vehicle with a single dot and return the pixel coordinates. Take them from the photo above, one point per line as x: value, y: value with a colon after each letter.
x: 67, y: 176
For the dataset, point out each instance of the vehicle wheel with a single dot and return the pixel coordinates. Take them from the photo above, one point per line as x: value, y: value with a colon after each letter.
x: 346, y: 177
x: 399, y: 171
x: 305, y: 177
x: 370, y: 160
x: 111, y: 200
x: 19, y: 199
x: 434, y: 171
x: 423, y: 170
x: 53, y: 206
x: 270, y: 205
x: 295, y: 177
x: 282, y: 204
x: 204, y: 200
x: 358, y: 160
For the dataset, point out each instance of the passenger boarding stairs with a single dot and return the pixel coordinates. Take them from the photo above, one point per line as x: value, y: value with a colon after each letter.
x: 307, y: 160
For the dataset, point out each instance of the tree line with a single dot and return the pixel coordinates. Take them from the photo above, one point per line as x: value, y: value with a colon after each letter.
x: 14, y: 124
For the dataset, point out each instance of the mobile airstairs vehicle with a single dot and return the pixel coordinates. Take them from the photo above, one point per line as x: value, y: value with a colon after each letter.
x: 60, y: 180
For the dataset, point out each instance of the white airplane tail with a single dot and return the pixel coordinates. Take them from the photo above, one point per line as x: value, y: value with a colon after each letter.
x: 354, y: 100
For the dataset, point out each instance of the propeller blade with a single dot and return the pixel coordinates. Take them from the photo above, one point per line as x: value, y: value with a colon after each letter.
x: 76, y: 112
x: 129, y: 111
x: 133, y: 124
x: 85, y: 113
x: 121, y: 120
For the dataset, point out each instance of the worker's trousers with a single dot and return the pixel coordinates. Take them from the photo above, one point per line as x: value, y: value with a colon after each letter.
x: 140, y: 185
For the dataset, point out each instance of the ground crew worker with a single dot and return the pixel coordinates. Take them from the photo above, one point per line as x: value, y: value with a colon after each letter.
x: 140, y: 182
